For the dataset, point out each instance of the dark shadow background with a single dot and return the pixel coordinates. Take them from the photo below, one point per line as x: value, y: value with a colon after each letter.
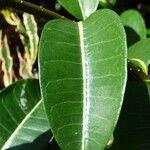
x: 44, y: 142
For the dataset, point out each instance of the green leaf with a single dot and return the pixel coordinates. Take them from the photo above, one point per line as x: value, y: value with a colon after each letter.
x: 82, y: 78
x: 81, y: 9
x: 6, y: 59
x: 30, y: 40
x: 138, y: 55
x: 22, y: 115
x: 28, y: 33
x: 133, y: 19
x: 141, y: 51
x: 112, y: 2
x: 107, y: 3
x: 138, y: 63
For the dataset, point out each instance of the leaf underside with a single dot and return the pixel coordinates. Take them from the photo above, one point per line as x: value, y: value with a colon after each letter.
x: 82, y: 78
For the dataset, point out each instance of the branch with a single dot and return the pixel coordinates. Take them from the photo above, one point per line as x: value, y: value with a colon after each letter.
x: 31, y: 8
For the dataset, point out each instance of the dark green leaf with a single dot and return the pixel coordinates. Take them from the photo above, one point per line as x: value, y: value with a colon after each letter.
x: 138, y: 55
x: 141, y: 51
x: 107, y: 3
x: 77, y: 62
x: 22, y: 115
x: 133, y: 19
x: 81, y: 9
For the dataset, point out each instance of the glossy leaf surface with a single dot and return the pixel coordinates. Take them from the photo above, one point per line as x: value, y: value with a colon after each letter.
x: 141, y: 51
x: 81, y: 9
x: 82, y: 77
x: 22, y: 115
x: 133, y: 19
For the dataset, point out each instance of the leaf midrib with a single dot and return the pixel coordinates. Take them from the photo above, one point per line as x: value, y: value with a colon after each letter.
x: 8, y: 142
x: 85, y: 88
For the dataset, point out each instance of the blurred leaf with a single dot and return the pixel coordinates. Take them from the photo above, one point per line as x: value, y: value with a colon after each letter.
x: 7, y: 62
x: 133, y: 20
x: 138, y: 63
x: 77, y: 63
x: 139, y: 59
x: 9, y: 17
x: 81, y: 9
x: 112, y: 2
x: 29, y: 37
x: 30, y: 40
x: 107, y: 3
x: 141, y: 51
x: 22, y: 115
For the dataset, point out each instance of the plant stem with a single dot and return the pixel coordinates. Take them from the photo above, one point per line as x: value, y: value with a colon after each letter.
x: 32, y: 8
x: 138, y: 72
